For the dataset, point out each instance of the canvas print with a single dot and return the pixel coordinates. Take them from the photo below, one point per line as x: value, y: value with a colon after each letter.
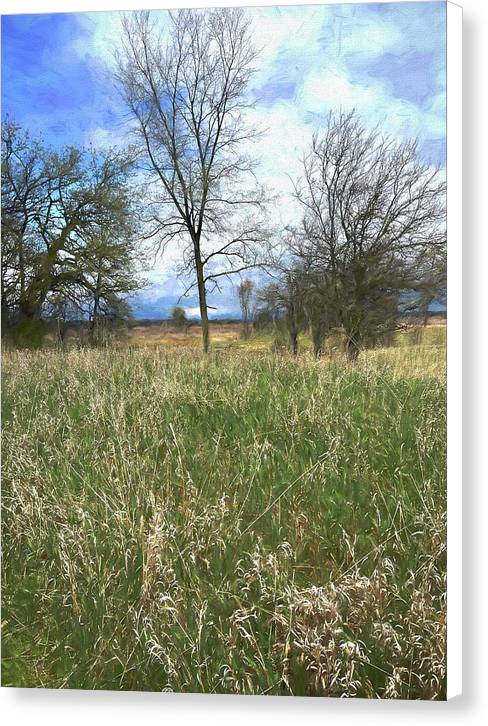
x: 224, y: 350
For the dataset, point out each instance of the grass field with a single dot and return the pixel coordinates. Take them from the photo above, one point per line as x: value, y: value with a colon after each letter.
x: 246, y: 523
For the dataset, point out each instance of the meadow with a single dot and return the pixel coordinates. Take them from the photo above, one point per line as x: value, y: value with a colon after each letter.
x: 246, y: 522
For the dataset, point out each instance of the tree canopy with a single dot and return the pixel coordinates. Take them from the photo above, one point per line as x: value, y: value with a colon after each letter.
x: 68, y: 226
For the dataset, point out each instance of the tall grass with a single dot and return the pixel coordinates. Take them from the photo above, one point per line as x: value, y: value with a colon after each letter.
x: 242, y: 524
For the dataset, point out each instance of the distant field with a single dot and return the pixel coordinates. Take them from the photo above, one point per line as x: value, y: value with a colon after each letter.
x: 246, y: 523
x: 229, y: 335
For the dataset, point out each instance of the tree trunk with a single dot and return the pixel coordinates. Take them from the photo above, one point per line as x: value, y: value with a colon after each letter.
x: 202, y: 298
x: 245, y: 325
x: 318, y: 335
x: 5, y: 316
x: 294, y: 342
x: 94, y: 321
x: 29, y: 328
x: 36, y: 292
x: 352, y: 349
x: 95, y: 314
x: 29, y: 310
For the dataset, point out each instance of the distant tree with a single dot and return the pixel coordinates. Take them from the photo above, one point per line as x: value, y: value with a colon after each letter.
x: 373, y: 212
x: 431, y: 283
x: 245, y: 292
x: 62, y: 311
x: 282, y: 302
x: 266, y: 312
x: 111, y: 266
x: 178, y: 317
x: 268, y: 309
x: 299, y: 274
x: 187, y: 91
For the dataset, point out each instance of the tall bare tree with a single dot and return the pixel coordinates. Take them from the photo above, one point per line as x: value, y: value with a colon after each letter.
x: 373, y: 211
x: 186, y: 89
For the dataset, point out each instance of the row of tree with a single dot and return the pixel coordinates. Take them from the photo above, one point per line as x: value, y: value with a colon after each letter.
x: 371, y: 241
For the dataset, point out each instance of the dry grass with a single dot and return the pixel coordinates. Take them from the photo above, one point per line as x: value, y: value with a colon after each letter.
x: 248, y: 523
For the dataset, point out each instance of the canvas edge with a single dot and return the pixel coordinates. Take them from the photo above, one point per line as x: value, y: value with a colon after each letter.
x: 454, y: 315
x: 454, y: 350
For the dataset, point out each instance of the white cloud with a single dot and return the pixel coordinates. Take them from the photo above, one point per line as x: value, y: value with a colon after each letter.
x: 102, y: 36
x: 328, y: 88
x: 280, y: 31
x: 353, y: 31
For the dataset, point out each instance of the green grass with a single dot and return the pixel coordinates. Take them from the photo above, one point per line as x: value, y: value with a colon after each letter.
x: 248, y: 523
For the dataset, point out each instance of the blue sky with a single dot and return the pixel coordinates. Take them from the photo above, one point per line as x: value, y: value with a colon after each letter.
x: 53, y: 81
x: 386, y: 60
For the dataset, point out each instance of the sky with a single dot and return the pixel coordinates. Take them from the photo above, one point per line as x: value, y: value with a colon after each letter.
x: 387, y: 60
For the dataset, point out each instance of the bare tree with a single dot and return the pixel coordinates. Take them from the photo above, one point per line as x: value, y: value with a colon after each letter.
x: 372, y: 210
x: 303, y: 280
x: 245, y: 292
x: 186, y: 90
x: 316, y: 309
x: 282, y: 302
